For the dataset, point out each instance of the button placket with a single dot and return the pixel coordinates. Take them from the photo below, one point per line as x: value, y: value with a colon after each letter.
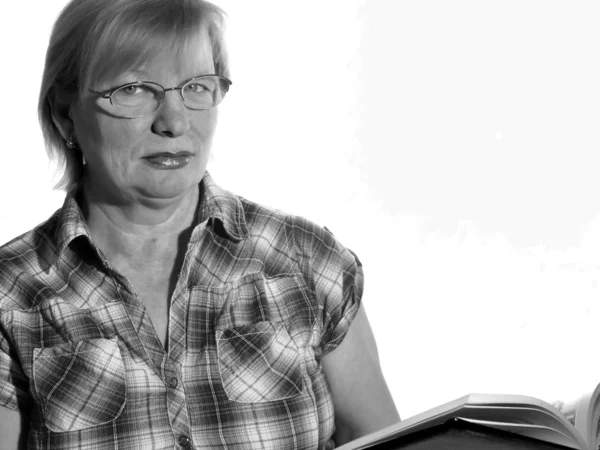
x: 176, y: 404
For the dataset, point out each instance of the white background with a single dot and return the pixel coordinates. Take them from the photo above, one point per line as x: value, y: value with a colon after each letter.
x: 452, y: 145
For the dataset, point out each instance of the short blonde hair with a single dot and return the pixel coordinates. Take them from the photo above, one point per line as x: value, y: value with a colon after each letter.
x: 92, y: 39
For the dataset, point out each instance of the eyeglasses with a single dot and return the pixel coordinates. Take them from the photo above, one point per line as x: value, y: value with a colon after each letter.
x: 140, y: 98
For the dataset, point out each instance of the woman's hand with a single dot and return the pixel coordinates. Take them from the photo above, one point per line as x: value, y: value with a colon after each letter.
x: 361, y: 397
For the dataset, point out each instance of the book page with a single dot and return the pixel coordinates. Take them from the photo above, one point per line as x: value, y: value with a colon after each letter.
x: 584, y: 413
x: 524, y: 415
x: 514, y: 414
x: 531, y: 409
x: 520, y: 410
x: 539, y: 432
x: 587, y: 416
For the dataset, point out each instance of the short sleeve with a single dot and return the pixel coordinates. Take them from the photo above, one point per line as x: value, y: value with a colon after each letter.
x: 14, y: 384
x: 334, y: 274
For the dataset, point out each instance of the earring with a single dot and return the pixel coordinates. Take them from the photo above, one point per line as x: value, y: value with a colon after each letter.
x: 71, y: 142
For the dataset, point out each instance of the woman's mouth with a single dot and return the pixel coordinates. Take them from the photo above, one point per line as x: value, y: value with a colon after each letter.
x: 168, y: 161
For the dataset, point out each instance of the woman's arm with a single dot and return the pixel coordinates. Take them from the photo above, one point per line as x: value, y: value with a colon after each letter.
x: 12, y: 430
x: 361, y: 397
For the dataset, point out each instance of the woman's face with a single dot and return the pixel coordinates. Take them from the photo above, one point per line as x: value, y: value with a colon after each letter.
x: 128, y: 159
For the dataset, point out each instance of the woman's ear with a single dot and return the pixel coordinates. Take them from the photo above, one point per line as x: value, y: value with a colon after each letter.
x: 60, y: 109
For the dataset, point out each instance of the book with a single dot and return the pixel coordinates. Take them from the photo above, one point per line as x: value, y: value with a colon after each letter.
x: 571, y: 425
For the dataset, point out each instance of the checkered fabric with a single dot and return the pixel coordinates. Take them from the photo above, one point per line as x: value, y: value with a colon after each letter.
x: 261, y: 297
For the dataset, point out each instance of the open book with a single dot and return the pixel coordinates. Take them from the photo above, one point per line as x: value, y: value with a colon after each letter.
x: 573, y: 425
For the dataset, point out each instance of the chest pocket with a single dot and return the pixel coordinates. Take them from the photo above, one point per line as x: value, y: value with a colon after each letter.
x: 80, y: 385
x: 258, y: 363
x: 263, y: 322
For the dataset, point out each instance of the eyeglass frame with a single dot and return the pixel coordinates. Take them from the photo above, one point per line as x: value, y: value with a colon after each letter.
x: 108, y: 94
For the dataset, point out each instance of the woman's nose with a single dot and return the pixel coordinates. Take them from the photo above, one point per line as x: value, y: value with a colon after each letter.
x: 171, y: 119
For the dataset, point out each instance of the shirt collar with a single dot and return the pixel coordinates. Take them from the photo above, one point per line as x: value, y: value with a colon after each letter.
x: 222, y: 205
x: 215, y: 203
x: 70, y: 224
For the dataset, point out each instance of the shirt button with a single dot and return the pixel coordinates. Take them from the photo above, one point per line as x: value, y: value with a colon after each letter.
x: 173, y: 383
x: 183, y: 440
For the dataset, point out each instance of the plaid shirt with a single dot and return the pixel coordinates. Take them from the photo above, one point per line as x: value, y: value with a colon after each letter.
x: 261, y: 297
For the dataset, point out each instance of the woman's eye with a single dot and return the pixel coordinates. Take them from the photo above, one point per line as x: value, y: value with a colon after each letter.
x: 132, y: 90
x: 195, y: 87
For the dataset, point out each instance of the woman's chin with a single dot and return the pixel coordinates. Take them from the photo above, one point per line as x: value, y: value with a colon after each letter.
x: 168, y: 188
x: 169, y: 183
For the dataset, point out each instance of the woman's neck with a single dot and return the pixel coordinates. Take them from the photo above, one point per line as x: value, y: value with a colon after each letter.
x: 139, y: 229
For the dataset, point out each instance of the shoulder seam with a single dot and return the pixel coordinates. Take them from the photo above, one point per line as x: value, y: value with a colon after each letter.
x: 289, y: 229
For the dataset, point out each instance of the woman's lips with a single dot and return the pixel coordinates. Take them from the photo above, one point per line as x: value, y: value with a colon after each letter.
x: 168, y: 161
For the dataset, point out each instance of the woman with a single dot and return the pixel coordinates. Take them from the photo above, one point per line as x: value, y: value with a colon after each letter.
x: 154, y: 309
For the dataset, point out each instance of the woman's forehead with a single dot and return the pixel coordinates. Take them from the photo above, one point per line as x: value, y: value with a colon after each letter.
x: 193, y: 60
x: 164, y: 60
